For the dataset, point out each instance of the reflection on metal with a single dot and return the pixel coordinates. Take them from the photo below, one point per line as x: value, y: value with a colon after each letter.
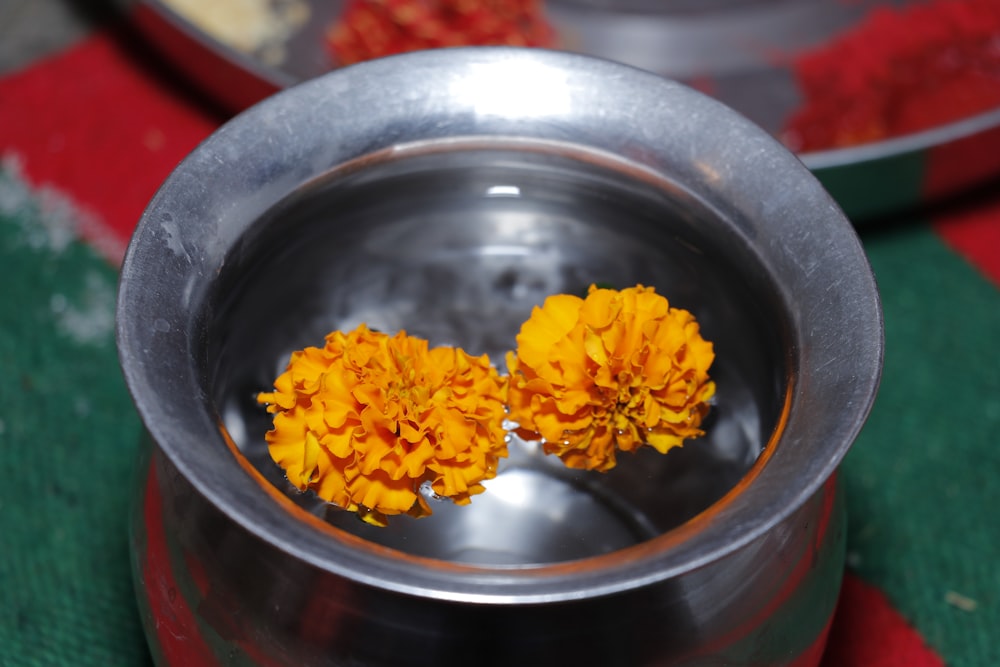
x: 727, y: 551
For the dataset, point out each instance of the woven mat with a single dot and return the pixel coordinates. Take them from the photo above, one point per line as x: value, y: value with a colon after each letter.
x: 86, y: 137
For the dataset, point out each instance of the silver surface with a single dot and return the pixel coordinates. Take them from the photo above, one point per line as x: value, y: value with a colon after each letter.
x: 447, y: 193
x: 456, y: 247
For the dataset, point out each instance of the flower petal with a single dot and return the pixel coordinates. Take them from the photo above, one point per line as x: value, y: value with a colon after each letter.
x: 368, y: 418
x: 621, y: 370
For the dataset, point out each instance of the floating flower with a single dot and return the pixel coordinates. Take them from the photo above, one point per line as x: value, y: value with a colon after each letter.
x: 368, y: 418
x: 616, y: 369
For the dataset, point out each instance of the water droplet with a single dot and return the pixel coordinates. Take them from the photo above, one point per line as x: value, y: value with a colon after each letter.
x: 428, y: 492
x: 161, y: 324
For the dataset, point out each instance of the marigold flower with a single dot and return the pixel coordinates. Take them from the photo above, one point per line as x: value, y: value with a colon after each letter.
x: 368, y: 418
x: 616, y: 369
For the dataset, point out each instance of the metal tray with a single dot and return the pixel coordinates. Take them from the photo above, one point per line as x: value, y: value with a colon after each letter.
x: 730, y: 49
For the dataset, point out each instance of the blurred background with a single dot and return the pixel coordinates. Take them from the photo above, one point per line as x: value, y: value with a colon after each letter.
x: 895, y: 106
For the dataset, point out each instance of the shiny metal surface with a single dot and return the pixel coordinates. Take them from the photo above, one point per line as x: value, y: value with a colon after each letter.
x: 738, y: 51
x: 447, y: 193
x: 457, y: 246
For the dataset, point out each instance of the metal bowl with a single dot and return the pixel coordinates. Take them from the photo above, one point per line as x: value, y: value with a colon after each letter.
x: 739, y: 51
x: 448, y: 192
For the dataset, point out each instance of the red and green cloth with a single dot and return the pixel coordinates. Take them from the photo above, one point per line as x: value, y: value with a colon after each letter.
x: 86, y: 137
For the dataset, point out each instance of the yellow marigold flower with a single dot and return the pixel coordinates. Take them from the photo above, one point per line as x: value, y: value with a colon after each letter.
x: 368, y: 418
x: 616, y: 369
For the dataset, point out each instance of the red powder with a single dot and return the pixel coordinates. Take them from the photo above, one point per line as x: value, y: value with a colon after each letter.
x: 898, y: 72
x: 373, y: 28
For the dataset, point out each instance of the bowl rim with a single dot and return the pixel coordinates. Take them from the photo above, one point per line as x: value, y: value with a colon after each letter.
x: 503, y: 94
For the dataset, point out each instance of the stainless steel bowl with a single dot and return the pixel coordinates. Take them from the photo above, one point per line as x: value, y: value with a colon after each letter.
x: 447, y: 192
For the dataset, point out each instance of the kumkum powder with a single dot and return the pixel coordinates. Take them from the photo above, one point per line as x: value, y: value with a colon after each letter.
x: 900, y: 71
x: 368, y: 419
x: 369, y: 29
x: 613, y: 371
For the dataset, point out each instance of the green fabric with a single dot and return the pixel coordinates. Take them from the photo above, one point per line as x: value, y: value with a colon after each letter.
x: 923, y: 480
x: 68, y: 435
x: 868, y: 189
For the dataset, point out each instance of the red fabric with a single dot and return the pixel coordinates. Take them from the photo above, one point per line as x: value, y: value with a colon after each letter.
x: 868, y: 632
x: 974, y: 232
x: 102, y: 125
x: 105, y: 127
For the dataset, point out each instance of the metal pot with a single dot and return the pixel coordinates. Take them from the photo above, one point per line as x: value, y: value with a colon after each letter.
x: 447, y: 192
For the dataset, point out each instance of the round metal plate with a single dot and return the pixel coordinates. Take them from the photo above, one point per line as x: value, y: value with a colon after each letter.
x: 734, y: 50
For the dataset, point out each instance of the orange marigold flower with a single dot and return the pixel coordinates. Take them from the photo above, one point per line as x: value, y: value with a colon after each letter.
x: 368, y: 418
x: 618, y: 368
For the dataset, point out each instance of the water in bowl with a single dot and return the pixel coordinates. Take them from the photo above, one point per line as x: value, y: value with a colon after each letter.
x: 457, y: 246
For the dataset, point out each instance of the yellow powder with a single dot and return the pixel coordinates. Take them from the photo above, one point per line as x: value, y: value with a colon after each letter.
x: 252, y: 26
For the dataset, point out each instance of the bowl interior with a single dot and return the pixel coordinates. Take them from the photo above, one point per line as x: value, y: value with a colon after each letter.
x: 456, y: 244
